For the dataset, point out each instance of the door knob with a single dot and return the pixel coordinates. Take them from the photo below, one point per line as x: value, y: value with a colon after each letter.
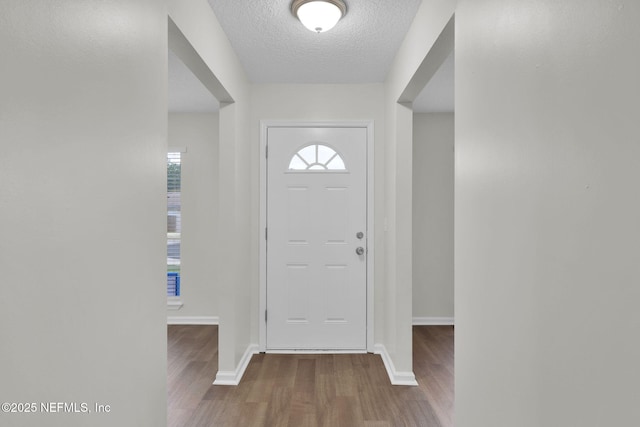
x: 359, y: 250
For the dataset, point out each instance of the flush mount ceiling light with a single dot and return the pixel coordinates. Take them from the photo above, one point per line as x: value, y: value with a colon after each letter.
x: 319, y: 15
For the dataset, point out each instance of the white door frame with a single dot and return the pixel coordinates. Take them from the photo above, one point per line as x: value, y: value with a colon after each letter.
x: 264, y: 125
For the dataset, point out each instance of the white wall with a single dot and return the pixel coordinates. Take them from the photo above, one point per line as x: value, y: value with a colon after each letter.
x: 83, y: 120
x: 547, y: 232
x: 433, y: 178
x: 318, y: 103
x: 198, y: 133
x: 431, y: 19
x: 208, y: 46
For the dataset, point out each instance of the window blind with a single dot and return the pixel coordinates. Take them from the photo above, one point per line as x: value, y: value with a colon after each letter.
x: 174, y: 222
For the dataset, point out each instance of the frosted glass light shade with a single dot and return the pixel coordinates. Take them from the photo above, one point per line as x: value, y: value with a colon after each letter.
x: 319, y: 15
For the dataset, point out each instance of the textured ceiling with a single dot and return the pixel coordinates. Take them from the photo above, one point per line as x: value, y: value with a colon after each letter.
x: 274, y: 47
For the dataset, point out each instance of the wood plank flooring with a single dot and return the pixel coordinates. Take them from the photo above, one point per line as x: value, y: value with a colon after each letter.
x: 338, y: 390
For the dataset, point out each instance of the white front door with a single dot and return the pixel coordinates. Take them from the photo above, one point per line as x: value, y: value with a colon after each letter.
x: 316, y: 238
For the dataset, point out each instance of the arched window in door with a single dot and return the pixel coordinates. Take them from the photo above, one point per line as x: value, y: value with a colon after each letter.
x: 317, y: 157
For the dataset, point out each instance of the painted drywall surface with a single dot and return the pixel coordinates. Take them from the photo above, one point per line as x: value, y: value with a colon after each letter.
x: 546, y: 223
x: 234, y: 243
x: 399, y: 212
x: 198, y: 133
x: 320, y: 103
x: 431, y: 19
x: 390, y: 306
x: 200, y: 27
x: 427, y: 26
x: 82, y: 200
x: 244, y: 233
x: 433, y: 181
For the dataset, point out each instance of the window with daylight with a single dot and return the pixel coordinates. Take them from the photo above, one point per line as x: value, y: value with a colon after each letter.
x: 174, y: 223
x: 317, y: 157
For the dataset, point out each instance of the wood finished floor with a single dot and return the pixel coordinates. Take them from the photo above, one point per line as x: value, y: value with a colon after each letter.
x: 343, y: 390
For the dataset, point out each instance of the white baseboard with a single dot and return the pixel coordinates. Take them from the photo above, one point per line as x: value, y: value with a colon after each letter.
x: 234, y: 377
x: 433, y: 321
x: 192, y: 320
x: 397, y: 378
